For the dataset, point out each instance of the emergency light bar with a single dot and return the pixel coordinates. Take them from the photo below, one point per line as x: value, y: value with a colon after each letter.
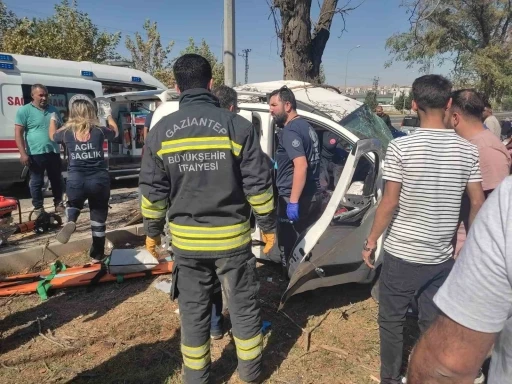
x: 136, y: 79
x: 6, y: 58
x: 6, y: 66
x: 87, y: 73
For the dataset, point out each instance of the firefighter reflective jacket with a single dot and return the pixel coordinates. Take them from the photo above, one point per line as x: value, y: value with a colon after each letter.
x: 204, y: 166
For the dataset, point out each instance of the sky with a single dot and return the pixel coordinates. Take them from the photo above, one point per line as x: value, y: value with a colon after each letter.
x: 369, y: 26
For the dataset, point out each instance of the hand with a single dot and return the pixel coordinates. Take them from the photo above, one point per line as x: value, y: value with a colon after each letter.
x: 151, y: 243
x: 25, y: 160
x: 292, y: 211
x: 367, y: 255
x: 269, y: 239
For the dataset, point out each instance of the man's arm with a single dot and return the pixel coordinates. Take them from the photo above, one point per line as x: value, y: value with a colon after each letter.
x: 449, y: 353
x: 383, y: 217
x: 19, y: 133
x: 155, y: 188
x: 476, y: 200
x: 384, y: 214
x: 257, y: 181
x: 300, y: 171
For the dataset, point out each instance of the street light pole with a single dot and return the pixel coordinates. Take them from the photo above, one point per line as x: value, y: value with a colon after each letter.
x: 346, y: 67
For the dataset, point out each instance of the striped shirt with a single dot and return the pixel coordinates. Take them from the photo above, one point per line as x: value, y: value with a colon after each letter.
x: 434, y: 167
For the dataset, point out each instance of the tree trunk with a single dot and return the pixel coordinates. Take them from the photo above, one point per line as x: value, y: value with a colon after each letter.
x: 302, y: 49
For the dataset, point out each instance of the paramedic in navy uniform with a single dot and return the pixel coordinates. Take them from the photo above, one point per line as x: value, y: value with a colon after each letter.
x: 88, y: 177
x: 298, y: 172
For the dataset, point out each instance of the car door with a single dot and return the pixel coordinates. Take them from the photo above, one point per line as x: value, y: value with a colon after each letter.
x: 329, y: 253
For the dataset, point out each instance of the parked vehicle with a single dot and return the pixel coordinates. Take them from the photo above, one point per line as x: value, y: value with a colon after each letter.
x: 410, y: 123
x: 329, y: 252
x: 63, y: 79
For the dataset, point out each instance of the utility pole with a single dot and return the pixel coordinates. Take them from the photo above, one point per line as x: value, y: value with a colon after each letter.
x: 375, y: 83
x: 245, y: 55
x: 229, y: 43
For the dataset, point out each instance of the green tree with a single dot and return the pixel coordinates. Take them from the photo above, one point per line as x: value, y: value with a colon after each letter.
x: 8, y: 21
x: 69, y: 34
x: 403, y: 102
x: 473, y: 35
x: 506, y: 103
x: 150, y: 56
x: 204, y: 50
x: 371, y: 100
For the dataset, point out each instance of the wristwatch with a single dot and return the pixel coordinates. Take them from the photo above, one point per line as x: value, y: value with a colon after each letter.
x: 365, y: 247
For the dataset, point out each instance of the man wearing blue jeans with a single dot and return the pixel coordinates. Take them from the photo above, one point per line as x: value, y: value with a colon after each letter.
x: 426, y: 174
x: 37, y: 151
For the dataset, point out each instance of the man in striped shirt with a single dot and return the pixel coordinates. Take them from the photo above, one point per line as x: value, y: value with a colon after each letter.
x: 426, y: 174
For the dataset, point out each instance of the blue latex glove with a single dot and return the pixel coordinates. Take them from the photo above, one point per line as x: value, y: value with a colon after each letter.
x: 292, y: 211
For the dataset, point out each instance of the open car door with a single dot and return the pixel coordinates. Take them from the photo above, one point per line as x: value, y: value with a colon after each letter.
x: 329, y: 252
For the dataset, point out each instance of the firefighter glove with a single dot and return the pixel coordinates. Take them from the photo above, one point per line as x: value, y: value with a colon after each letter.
x: 151, y: 243
x: 269, y: 239
x: 292, y: 211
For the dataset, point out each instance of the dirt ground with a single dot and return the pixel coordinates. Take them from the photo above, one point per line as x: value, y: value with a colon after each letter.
x: 130, y: 333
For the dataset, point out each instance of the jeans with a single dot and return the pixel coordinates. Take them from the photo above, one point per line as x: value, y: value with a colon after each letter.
x: 51, y: 163
x: 95, y: 189
x: 400, y: 283
x: 216, y: 321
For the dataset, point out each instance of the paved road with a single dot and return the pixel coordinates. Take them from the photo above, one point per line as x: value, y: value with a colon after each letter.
x: 396, y: 120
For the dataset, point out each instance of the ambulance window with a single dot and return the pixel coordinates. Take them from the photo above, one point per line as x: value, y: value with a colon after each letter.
x: 58, y: 97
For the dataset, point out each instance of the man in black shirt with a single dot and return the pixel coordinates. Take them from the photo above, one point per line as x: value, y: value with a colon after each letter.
x: 298, y: 171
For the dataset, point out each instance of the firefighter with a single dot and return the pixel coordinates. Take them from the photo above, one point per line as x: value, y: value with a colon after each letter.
x: 88, y: 177
x: 203, y: 165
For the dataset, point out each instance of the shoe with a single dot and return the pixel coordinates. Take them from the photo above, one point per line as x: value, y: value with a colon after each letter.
x: 65, y: 233
x: 216, y: 334
x: 36, y: 213
x: 60, y: 208
x: 96, y: 254
x: 480, y: 379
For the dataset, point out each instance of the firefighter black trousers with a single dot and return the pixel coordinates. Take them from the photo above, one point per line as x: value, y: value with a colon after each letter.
x: 95, y: 189
x: 193, y: 284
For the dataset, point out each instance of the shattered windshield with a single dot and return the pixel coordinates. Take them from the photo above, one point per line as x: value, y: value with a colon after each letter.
x: 365, y: 125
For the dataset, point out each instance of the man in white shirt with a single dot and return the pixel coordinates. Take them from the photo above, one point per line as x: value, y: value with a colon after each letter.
x: 426, y: 174
x: 476, y: 301
x: 490, y: 121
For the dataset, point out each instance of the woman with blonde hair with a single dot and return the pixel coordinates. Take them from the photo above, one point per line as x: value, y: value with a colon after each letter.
x: 88, y: 177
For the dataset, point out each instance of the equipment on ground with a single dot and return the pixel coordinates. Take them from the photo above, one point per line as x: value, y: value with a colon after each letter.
x: 41, y: 224
x: 126, y: 264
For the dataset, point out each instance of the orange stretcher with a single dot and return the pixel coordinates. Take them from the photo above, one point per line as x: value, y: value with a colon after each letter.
x: 62, y: 276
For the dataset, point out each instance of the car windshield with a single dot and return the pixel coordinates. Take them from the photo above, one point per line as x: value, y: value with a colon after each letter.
x: 366, y: 125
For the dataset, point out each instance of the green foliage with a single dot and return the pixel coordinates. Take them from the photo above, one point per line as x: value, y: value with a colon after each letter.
x: 474, y: 35
x: 204, y: 50
x: 8, y: 21
x: 371, y: 100
x: 506, y: 103
x: 399, y: 102
x: 69, y: 34
x: 150, y: 56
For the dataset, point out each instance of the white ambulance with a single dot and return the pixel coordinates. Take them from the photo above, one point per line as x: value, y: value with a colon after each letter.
x: 64, y: 79
x: 329, y: 252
